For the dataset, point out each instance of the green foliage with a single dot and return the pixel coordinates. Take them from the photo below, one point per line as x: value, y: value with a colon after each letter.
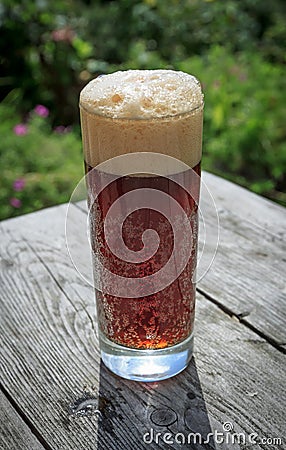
x: 50, y: 49
x: 47, y: 55
x: 45, y: 164
x: 244, y: 128
x: 58, y: 45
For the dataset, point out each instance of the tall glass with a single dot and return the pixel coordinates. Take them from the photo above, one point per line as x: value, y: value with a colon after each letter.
x: 142, y: 141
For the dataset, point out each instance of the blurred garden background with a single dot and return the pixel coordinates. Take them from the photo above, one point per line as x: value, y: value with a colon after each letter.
x: 50, y: 49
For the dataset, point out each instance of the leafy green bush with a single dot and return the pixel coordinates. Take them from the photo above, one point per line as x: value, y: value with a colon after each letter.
x: 58, y: 45
x: 39, y: 166
x: 42, y: 55
x: 244, y: 129
x: 50, y: 49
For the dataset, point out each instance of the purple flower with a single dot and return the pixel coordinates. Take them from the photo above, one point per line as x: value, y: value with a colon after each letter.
x: 61, y: 129
x: 65, y: 34
x: 19, y: 184
x: 20, y: 129
x: 15, y: 202
x: 41, y: 110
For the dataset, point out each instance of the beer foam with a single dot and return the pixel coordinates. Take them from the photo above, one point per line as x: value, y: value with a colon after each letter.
x: 135, y: 111
x: 142, y: 94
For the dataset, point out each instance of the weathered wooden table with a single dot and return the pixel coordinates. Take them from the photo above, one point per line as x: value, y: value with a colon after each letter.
x: 57, y: 395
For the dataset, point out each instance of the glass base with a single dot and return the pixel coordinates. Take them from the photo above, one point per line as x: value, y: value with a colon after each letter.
x: 146, y: 365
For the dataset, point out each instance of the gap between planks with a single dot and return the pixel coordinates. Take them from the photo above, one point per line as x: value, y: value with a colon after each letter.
x: 42, y: 444
x: 279, y: 346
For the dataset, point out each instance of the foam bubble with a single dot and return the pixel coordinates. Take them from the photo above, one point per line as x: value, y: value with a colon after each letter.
x: 142, y: 94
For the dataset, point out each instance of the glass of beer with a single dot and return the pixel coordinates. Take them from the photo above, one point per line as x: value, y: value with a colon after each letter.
x: 142, y: 142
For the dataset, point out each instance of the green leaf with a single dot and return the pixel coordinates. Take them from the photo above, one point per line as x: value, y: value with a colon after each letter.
x: 83, y: 49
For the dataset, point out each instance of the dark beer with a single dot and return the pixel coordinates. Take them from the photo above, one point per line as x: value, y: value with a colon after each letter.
x: 166, y: 317
x: 142, y: 142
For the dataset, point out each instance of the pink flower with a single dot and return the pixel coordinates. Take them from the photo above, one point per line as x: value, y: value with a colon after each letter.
x: 64, y: 34
x: 19, y: 184
x: 61, y: 129
x: 41, y: 110
x: 15, y: 202
x: 20, y: 129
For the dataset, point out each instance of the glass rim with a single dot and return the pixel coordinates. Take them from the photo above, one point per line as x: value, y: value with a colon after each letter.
x: 144, y: 119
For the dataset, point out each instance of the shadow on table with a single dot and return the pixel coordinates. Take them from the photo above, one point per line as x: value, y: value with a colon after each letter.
x: 165, y: 414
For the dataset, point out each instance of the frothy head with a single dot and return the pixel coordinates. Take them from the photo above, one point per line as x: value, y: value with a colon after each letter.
x: 142, y: 94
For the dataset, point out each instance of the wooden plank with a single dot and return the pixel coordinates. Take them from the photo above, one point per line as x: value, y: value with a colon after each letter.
x: 246, y: 205
x: 50, y: 353
x: 14, y: 433
x: 45, y: 231
x: 45, y: 335
x: 247, y: 276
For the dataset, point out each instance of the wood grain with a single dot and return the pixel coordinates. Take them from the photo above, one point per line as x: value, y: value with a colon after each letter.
x: 14, y: 433
x: 50, y: 353
x: 246, y: 205
x: 247, y: 276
